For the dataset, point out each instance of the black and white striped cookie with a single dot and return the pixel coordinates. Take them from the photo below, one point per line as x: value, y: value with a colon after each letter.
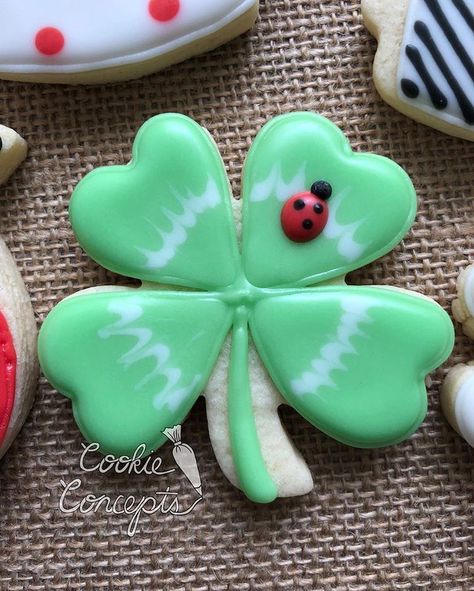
x: 424, y: 65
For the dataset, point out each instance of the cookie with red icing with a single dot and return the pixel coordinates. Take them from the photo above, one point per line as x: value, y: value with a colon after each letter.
x: 18, y: 364
x: 109, y: 40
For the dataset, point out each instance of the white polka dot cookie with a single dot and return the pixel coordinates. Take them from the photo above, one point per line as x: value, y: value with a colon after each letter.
x: 424, y: 66
x: 18, y: 363
x: 97, y: 41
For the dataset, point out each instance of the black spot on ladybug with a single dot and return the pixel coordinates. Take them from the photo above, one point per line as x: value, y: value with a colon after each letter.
x: 307, y: 224
x: 321, y: 189
x: 299, y: 204
x: 318, y: 208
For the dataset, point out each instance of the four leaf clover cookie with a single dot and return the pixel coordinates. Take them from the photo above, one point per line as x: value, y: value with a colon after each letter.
x: 251, y: 321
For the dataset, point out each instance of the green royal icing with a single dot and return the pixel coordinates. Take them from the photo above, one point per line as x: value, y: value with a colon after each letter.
x: 352, y: 360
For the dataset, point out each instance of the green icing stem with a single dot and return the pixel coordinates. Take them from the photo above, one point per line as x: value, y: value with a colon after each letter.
x: 253, y: 476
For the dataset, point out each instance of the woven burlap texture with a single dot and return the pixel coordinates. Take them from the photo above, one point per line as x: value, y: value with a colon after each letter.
x: 397, y: 518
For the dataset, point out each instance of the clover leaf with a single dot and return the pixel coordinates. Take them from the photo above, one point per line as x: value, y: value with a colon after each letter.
x: 350, y: 359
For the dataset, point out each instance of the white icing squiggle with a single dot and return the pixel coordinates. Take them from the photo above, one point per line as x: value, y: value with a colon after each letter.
x: 330, y: 355
x: 192, y: 206
x: 275, y: 186
x: 145, y: 347
x: 343, y: 233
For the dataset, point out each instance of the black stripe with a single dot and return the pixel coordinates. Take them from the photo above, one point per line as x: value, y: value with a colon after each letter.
x: 410, y: 88
x: 451, y: 36
x: 465, y: 12
x: 464, y: 103
x: 438, y: 99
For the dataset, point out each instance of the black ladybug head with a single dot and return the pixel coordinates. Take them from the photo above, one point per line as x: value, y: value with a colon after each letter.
x: 321, y: 189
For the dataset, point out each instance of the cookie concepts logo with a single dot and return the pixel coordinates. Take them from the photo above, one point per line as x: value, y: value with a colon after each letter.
x: 162, y: 501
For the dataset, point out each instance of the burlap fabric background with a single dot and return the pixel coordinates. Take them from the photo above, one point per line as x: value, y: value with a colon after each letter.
x: 398, y: 518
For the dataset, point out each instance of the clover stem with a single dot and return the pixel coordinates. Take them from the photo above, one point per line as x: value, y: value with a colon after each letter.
x: 253, y: 476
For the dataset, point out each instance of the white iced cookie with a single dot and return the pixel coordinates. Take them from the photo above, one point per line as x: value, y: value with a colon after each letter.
x: 96, y: 41
x: 457, y: 400
x: 457, y: 394
x: 18, y: 364
x: 424, y: 63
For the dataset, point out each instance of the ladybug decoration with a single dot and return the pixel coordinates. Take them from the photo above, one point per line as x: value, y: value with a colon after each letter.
x: 305, y: 215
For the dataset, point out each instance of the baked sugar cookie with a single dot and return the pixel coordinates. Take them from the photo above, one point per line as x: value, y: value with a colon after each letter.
x: 457, y: 394
x: 96, y: 41
x: 424, y: 66
x: 12, y: 152
x: 457, y: 400
x: 463, y: 306
x: 18, y: 363
x: 251, y: 321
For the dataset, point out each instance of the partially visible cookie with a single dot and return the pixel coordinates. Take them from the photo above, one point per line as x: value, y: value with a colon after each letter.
x: 463, y: 306
x: 457, y: 400
x: 457, y: 393
x: 12, y: 152
x: 18, y: 364
x: 424, y: 63
x: 94, y: 41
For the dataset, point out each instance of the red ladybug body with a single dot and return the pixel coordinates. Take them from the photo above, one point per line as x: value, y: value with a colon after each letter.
x: 305, y: 215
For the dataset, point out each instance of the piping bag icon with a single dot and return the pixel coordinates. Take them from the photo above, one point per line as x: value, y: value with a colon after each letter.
x: 184, y: 457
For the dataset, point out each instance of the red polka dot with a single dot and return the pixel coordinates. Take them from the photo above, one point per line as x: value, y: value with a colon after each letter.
x: 163, y: 10
x: 49, y: 41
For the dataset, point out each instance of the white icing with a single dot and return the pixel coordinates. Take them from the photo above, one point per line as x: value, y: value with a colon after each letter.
x: 347, y: 247
x: 275, y: 186
x: 104, y: 33
x: 146, y: 347
x: 418, y: 10
x: 330, y: 355
x: 192, y: 207
x: 464, y: 410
